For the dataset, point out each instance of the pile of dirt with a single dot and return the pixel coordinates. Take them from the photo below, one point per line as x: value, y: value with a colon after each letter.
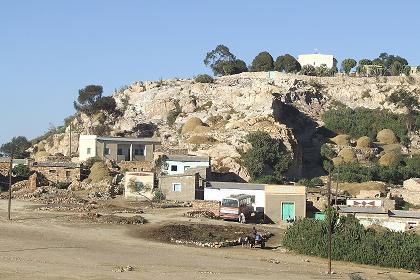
x: 341, y: 140
x: 113, y: 219
x: 364, y: 142
x: 98, y: 173
x: 355, y: 188
x: 201, y: 214
x: 388, y: 159
x: 202, y: 233
x: 386, y: 136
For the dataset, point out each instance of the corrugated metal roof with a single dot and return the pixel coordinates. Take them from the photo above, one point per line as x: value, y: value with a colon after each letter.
x: 234, y: 185
x: 188, y: 158
x: 56, y: 164
x: 369, y: 210
x: 404, y: 214
x: 126, y: 139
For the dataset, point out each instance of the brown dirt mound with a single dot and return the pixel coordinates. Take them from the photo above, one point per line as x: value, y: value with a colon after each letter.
x: 388, y: 159
x: 191, y: 124
x: 386, y: 136
x: 99, y: 172
x: 364, y: 142
x: 347, y: 155
x: 341, y: 140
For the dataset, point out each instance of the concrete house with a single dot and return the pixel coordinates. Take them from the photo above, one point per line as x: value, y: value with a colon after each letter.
x: 178, y: 164
x: 284, y: 202
x: 317, y: 60
x: 139, y: 185
x: 117, y: 148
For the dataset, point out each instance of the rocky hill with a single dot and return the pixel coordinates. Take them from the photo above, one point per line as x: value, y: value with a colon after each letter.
x: 219, y: 115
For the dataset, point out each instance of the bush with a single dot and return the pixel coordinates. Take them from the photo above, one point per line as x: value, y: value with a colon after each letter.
x: 311, y: 183
x: 287, y: 63
x: 263, y: 62
x: 267, y: 156
x: 351, y: 242
x: 173, y: 114
x: 308, y: 70
x: 204, y: 78
x: 21, y: 170
x: 363, y: 122
x: 158, y: 195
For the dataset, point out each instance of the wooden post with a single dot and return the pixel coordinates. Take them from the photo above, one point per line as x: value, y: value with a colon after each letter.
x: 336, y: 188
x: 9, y: 206
x: 329, y: 224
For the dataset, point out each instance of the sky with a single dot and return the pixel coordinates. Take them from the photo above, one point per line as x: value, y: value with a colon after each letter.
x: 50, y: 49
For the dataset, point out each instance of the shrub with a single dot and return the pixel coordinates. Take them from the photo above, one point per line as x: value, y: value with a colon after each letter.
x: 327, y: 152
x: 308, y: 70
x: 204, y: 78
x: 21, y: 170
x: 287, y: 63
x: 263, y: 62
x: 173, y: 114
x: 267, y: 156
x: 363, y: 122
x: 351, y: 242
x: 158, y: 195
x: 311, y: 183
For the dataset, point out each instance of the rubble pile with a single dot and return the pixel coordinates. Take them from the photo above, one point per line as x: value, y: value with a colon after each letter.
x: 201, y: 214
x: 113, y: 219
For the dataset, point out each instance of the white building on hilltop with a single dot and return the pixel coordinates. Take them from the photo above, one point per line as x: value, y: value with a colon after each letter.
x: 317, y: 60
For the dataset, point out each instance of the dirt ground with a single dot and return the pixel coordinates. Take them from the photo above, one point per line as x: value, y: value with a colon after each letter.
x: 60, y: 245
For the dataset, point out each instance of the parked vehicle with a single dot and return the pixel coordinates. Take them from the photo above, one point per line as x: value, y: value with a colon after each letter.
x: 236, y: 206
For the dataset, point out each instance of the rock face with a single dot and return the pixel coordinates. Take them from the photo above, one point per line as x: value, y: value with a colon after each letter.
x: 288, y: 107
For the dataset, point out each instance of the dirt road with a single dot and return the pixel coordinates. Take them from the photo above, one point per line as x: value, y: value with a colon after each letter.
x: 45, y: 245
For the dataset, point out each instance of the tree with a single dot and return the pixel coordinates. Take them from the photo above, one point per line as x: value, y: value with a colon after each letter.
x: 263, y: 62
x: 287, y: 63
x: 21, y: 170
x: 348, y: 64
x: 267, y: 157
x: 219, y: 60
x: 106, y: 103
x: 234, y: 67
x: 404, y: 99
x: 360, y: 68
x: 16, y: 147
x: 418, y: 68
x: 204, y: 78
x: 90, y: 100
x: 308, y: 70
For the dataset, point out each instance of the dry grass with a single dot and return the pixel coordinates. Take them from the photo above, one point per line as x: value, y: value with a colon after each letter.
x: 364, y: 142
x: 355, y: 188
x: 341, y: 140
x: 347, y: 154
x: 99, y: 172
x: 388, y: 159
x: 386, y: 136
x: 337, y: 161
x: 196, y: 139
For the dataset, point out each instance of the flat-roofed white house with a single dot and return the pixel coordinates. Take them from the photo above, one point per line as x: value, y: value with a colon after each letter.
x: 177, y: 164
x: 317, y: 60
x: 117, y: 148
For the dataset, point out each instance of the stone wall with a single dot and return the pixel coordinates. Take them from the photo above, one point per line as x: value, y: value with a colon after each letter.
x: 189, y: 184
x: 134, y: 166
x: 56, y: 174
x: 207, y: 205
x: 4, y: 168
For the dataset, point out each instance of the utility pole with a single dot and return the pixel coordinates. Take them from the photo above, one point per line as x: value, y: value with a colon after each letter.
x: 329, y: 213
x: 336, y: 187
x: 10, y: 187
x: 70, y: 142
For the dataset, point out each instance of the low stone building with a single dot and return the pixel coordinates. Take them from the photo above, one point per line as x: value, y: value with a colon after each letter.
x: 57, y: 172
x: 182, y: 187
x: 4, y: 166
x: 284, y: 203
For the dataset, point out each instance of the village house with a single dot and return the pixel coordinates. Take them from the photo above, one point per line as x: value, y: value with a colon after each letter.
x: 118, y: 149
x: 139, y: 185
x: 58, y: 172
x: 177, y: 164
x: 317, y: 60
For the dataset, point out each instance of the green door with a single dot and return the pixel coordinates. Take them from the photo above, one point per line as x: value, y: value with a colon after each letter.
x: 287, y: 211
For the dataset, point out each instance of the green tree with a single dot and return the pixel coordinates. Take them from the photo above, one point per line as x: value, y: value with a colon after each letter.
x: 223, y: 62
x: 267, y: 158
x: 404, y: 99
x: 348, y: 64
x: 88, y: 96
x: 308, y: 70
x: 287, y: 63
x: 263, y: 62
x: 418, y: 68
x: 204, y: 78
x: 16, y: 147
x: 360, y: 68
x: 21, y: 171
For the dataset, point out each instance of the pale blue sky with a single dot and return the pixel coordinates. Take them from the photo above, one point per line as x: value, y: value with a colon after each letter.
x: 50, y: 49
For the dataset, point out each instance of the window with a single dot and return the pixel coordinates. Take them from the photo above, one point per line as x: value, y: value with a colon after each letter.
x: 52, y: 171
x: 106, y: 152
x: 176, y: 187
x: 68, y: 174
x: 88, y: 151
x: 120, y: 152
x: 186, y: 167
x: 139, y: 152
x: 174, y: 168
